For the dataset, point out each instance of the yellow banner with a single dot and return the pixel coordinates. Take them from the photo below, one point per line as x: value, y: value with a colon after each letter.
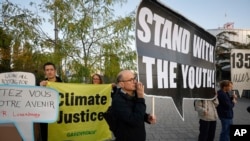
x: 81, y: 111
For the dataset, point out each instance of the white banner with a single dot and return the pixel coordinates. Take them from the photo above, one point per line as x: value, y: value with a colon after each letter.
x: 240, y: 69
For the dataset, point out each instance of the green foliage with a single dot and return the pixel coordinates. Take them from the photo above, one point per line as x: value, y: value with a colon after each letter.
x: 5, y: 51
x: 21, y: 22
x: 87, y: 26
x: 112, y: 63
x: 84, y: 27
x: 77, y: 72
x: 223, y: 49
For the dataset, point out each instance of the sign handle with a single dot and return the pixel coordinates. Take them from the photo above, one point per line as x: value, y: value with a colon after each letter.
x: 153, y: 105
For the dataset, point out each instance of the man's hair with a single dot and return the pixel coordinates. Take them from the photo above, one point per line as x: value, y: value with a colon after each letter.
x: 225, y: 83
x: 49, y: 63
x: 118, y: 78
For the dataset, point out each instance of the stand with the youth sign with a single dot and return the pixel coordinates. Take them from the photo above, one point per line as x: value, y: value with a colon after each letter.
x: 175, y: 56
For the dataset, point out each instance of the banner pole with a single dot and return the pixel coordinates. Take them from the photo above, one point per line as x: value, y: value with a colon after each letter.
x: 153, y: 105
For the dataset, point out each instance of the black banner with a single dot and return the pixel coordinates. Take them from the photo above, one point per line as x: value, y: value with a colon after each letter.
x: 175, y: 56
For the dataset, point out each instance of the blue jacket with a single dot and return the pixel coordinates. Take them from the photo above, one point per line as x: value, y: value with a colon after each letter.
x: 131, y: 115
x: 225, y: 107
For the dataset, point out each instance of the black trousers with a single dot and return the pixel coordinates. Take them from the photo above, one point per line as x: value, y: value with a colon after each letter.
x: 207, y: 130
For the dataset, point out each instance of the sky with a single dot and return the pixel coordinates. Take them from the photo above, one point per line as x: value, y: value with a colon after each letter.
x: 208, y: 14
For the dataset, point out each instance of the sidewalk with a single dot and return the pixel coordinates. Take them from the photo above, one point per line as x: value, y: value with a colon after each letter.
x: 170, y: 126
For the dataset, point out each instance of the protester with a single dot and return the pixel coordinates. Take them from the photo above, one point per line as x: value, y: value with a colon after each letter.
x: 208, y: 115
x: 130, y: 109
x: 225, y: 108
x: 97, y: 79
x: 50, y: 75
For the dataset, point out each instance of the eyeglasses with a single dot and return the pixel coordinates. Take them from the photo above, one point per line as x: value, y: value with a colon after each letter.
x: 130, y: 80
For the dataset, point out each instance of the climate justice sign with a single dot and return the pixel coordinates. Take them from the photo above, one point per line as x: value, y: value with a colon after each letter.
x: 175, y: 56
x: 81, y: 110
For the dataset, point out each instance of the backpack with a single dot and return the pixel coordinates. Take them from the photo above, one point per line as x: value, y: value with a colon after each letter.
x: 109, y: 115
x: 110, y: 119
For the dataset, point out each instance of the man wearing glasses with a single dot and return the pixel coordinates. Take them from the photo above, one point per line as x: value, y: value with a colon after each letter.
x: 130, y: 109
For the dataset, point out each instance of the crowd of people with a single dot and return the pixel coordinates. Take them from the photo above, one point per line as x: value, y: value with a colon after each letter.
x: 130, y: 109
x: 128, y: 101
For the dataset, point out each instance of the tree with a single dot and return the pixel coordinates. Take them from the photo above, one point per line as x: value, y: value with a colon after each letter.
x: 111, y: 63
x: 87, y: 26
x: 29, y: 42
x: 23, y: 23
x: 5, y: 51
x: 223, y: 50
x: 82, y: 28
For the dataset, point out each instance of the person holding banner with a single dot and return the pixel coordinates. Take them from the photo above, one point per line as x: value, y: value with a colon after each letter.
x: 97, y: 79
x: 130, y: 109
x: 225, y: 108
x: 50, y: 75
x: 208, y: 115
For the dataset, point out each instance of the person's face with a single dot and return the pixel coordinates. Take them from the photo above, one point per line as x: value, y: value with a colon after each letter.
x: 229, y: 87
x: 128, y: 82
x: 50, y: 71
x: 96, y: 79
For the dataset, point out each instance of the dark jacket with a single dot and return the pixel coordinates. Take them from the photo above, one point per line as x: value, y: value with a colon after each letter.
x: 225, y: 107
x: 58, y: 79
x: 131, y: 115
x: 44, y: 126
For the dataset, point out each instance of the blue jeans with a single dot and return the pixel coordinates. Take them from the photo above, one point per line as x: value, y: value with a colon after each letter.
x: 225, y: 129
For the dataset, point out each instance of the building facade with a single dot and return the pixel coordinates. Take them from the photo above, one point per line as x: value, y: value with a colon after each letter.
x: 241, y: 36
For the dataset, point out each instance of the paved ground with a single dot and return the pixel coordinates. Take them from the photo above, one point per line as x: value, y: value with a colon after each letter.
x: 170, y: 126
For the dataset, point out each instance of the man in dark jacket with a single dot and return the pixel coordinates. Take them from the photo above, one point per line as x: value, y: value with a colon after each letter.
x: 225, y: 108
x: 50, y: 74
x: 130, y: 109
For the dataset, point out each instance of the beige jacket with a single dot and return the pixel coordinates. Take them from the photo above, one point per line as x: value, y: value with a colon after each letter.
x: 207, y: 109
